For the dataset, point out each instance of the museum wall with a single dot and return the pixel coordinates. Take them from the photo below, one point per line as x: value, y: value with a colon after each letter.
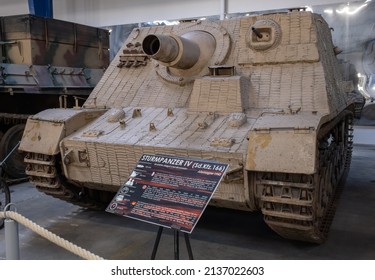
x: 114, y: 12
x: 13, y: 7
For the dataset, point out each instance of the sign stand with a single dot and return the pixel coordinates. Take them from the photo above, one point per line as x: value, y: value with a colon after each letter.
x: 176, y: 232
x: 156, y: 244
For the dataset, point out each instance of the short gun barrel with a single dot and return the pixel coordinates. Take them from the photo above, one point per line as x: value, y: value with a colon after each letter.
x: 173, y: 51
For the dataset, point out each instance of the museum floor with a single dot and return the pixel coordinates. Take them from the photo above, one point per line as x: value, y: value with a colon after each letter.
x: 220, y: 233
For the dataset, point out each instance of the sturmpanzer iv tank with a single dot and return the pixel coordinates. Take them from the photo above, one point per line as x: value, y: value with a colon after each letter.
x: 262, y: 93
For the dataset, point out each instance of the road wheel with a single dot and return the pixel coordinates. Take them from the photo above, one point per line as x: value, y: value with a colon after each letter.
x: 14, y: 165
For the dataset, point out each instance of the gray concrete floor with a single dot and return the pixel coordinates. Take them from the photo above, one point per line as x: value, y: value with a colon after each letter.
x: 220, y: 233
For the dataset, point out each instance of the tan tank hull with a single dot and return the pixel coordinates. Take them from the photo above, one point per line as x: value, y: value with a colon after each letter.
x: 264, y: 94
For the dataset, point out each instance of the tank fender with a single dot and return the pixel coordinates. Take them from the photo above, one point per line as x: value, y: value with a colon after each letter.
x: 284, y: 143
x: 45, y: 130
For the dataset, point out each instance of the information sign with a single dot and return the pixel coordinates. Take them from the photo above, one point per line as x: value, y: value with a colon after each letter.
x: 168, y: 191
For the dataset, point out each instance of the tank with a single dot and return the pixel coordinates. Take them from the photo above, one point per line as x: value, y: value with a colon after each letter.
x: 262, y: 93
x: 44, y: 63
x: 350, y: 74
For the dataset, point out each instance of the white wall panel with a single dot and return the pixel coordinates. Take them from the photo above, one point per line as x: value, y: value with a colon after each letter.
x: 114, y: 12
x: 13, y: 7
x: 235, y: 6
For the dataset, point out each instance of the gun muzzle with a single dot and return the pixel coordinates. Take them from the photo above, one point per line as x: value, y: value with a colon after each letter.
x: 171, y: 50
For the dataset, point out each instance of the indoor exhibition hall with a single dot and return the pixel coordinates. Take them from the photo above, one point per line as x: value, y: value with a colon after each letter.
x: 189, y: 130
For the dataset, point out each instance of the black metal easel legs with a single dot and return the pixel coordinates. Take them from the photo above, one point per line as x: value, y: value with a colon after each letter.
x: 156, y: 244
x: 176, y: 244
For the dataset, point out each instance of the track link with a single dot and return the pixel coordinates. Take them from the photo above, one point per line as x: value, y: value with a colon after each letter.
x: 43, y: 174
x: 302, y: 206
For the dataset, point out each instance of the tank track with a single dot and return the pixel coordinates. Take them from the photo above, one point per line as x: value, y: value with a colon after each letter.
x: 358, y: 110
x: 43, y: 174
x: 302, y: 206
x: 12, y: 119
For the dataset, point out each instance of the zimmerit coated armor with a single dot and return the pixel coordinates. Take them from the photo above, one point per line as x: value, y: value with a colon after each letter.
x: 261, y: 93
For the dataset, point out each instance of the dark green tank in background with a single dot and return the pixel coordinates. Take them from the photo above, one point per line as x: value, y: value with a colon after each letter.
x: 44, y: 63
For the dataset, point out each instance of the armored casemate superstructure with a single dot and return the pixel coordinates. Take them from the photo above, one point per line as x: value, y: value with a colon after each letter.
x: 262, y: 93
x: 44, y: 63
